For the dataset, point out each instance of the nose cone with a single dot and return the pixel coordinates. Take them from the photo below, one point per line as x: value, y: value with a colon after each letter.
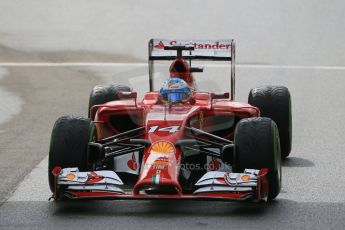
x: 160, y: 169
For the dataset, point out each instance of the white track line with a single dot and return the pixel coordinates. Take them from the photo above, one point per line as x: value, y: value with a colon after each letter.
x: 142, y: 64
x: 35, y: 186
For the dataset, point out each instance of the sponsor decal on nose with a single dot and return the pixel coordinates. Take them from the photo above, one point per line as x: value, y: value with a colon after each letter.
x: 164, y: 147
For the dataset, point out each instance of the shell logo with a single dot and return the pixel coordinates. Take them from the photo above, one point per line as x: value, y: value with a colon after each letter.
x: 163, y: 147
x: 70, y: 176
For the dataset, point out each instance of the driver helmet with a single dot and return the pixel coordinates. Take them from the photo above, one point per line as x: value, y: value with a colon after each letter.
x: 175, y: 90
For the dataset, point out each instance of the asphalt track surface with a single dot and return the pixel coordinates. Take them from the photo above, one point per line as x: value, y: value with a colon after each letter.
x: 37, y: 87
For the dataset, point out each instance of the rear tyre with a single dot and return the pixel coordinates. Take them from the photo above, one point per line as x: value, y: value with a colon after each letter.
x: 102, y: 94
x: 256, y: 147
x: 68, y: 144
x: 275, y: 102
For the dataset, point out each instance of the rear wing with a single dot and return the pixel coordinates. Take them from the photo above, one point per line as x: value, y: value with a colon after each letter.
x: 213, y: 50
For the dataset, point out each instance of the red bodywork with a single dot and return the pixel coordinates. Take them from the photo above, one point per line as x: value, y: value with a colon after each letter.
x: 159, y: 119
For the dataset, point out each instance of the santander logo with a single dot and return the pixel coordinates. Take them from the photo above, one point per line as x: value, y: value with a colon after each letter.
x: 199, y: 45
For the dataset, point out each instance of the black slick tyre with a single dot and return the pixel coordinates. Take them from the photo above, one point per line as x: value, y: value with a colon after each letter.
x: 256, y: 147
x: 68, y: 145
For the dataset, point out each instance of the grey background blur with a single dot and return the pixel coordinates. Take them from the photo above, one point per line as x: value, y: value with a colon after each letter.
x: 294, y: 32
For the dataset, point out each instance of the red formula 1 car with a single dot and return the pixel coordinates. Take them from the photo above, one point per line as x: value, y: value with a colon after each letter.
x: 176, y: 143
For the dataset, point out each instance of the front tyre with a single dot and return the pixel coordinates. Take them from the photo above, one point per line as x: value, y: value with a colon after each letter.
x: 256, y: 147
x: 68, y: 144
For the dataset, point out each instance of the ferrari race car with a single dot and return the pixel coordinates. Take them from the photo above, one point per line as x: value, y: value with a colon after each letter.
x: 177, y: 142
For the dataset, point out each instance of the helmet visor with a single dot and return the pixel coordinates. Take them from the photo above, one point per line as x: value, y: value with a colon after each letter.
x: 176, y: 95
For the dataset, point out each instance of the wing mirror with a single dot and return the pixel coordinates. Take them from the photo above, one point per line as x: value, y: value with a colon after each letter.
x: 224, y: 95
x: 213, y: 96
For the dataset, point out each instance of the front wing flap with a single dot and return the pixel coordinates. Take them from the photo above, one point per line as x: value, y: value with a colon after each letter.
x: 252, y: 182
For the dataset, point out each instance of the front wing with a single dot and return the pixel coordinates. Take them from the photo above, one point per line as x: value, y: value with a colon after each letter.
x: 215, y: 185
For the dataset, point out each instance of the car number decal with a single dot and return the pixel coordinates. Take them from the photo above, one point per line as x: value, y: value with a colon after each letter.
x: 170, y: 129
